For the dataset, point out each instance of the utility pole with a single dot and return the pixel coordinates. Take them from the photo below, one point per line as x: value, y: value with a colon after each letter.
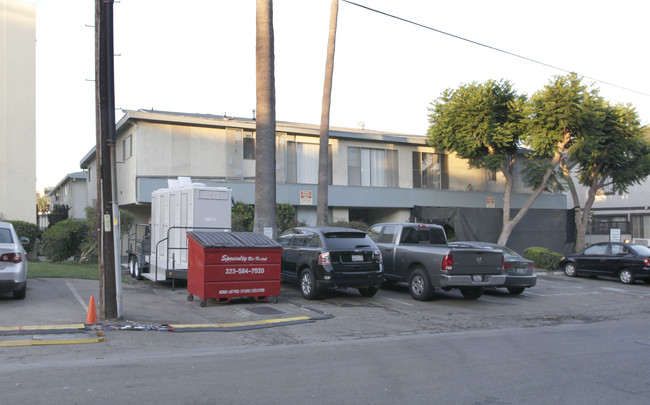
x: 105, y: 152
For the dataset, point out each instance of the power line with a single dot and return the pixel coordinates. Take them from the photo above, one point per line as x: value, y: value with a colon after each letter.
x: 490, y: 47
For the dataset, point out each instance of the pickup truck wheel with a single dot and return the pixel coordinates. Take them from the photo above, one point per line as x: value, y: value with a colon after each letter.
x: 368, y: 291
x: 472, y: 293
x: 419, y: 285
x: 516, y: 290
x: 308, y: 285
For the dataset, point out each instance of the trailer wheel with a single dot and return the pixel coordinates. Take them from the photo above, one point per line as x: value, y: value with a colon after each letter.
x: 132, y: 266
x: 137, y: 271
x: 204, y: 303
x: 190, y: 297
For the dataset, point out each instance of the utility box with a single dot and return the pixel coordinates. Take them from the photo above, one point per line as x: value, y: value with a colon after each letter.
x: 175, y: 210
x: 226, y: 265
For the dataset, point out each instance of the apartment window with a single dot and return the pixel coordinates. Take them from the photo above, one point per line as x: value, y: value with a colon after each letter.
x: 127, y: 148
x: 608, y: 187
x: 601, y: 225
x: 429, y: 170
x: 641, y: 226
x: 372, y: 167
x: 302, y: 163
x: 249, y: 147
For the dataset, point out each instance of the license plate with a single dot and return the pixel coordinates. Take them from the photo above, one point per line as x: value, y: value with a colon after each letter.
x: 477, y: 278
x: 521, y: 271
x: 357, y: 258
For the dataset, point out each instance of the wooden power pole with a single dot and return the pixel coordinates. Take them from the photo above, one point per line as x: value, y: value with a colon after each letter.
x: 105, y: 117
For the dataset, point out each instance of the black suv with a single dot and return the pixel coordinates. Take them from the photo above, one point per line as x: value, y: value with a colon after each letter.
x: 318, y: 258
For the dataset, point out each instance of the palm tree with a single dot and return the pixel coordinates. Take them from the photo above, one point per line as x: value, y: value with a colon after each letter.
x: 322, y: 217
x: 265, y: 221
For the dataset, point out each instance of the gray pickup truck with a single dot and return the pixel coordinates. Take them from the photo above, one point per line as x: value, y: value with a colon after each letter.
x: 418, y: 254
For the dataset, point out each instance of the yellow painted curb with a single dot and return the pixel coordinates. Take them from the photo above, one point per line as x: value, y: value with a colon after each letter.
x: 239, y: 324
x: 43, y: 340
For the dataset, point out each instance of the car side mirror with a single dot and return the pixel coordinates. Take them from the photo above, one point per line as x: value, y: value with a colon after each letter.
x: 24, y: 240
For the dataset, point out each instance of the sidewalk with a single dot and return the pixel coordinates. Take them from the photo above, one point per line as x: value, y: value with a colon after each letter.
x: 58, y: 306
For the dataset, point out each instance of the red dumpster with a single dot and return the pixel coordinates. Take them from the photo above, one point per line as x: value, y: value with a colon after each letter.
x: 225, y: 265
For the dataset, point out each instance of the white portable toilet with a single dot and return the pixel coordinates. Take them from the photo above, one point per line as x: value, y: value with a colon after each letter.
x: 183, y: 207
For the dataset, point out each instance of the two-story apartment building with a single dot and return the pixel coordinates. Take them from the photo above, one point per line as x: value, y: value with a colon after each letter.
x: 71, y: 192
x: 629, y: 212
x: 374, y: 176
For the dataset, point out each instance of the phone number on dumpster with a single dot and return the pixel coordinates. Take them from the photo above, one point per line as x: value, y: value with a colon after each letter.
x: 254, y: 270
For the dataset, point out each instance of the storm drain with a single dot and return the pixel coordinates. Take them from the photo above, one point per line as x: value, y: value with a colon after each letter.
x: 265, y: 311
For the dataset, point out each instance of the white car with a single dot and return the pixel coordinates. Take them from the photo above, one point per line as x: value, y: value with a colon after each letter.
x: 13, y: 262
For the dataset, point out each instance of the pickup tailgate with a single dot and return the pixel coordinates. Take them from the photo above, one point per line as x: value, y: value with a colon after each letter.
x: 476, y: 261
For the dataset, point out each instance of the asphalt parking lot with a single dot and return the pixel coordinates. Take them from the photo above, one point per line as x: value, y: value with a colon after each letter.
x: 555, y: 299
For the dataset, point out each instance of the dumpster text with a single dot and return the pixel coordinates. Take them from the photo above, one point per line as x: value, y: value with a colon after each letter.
x: 254, y: 270
x: 243, y: 259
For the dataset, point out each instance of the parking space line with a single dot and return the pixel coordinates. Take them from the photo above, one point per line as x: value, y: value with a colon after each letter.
x: 563, y: 294
x: 621, y: 290
x: 76, y: 295
x: 401, y: 302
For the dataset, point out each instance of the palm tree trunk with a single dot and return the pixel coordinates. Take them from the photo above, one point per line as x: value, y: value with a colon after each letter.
x: 322, y: 215
x: 265, y: 197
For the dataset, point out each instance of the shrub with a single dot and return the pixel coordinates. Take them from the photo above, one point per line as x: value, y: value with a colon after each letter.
x: 64, y: 239
x: 28, y: 230
x: 88, y: 248
x: 243, y: 217
x: 362, y: 226
x: 543, y: 258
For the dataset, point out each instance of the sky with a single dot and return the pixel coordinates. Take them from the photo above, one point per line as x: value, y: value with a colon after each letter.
x: 198, y: 56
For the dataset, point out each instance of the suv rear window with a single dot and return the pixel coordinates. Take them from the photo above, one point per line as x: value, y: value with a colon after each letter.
x: 347, y: 240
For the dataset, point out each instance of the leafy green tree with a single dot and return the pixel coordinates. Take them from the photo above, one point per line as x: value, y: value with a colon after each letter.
x: 618, y: 156
x: 482, y: 123
x: 43, y: 203
x: 486, y: 124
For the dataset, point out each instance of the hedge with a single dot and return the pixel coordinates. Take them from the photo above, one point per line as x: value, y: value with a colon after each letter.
x: 543, y: 258
x: 28, y: 230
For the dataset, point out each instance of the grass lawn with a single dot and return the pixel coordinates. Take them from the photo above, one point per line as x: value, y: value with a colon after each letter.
x: 88, y: 271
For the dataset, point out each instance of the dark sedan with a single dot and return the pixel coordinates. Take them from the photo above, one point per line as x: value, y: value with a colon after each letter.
x: 628, y: 262
x: 520, y: 272
x: 318, y: 258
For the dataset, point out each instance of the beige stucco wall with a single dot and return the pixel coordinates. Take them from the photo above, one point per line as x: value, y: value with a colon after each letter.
x: 17, y: 111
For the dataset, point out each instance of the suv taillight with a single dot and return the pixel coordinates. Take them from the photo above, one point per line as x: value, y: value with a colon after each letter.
x: 11, y: 257
x: 447, y: 263
x: 646, y: 262
x: 324, y: 259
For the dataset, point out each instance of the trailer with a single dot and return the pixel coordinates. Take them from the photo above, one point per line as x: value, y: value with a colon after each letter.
x: 158, y: 251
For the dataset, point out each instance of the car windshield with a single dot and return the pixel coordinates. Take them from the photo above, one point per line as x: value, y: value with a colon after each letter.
x: 641, y: 250
x: 347, y: 239
x: 5, y: 236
